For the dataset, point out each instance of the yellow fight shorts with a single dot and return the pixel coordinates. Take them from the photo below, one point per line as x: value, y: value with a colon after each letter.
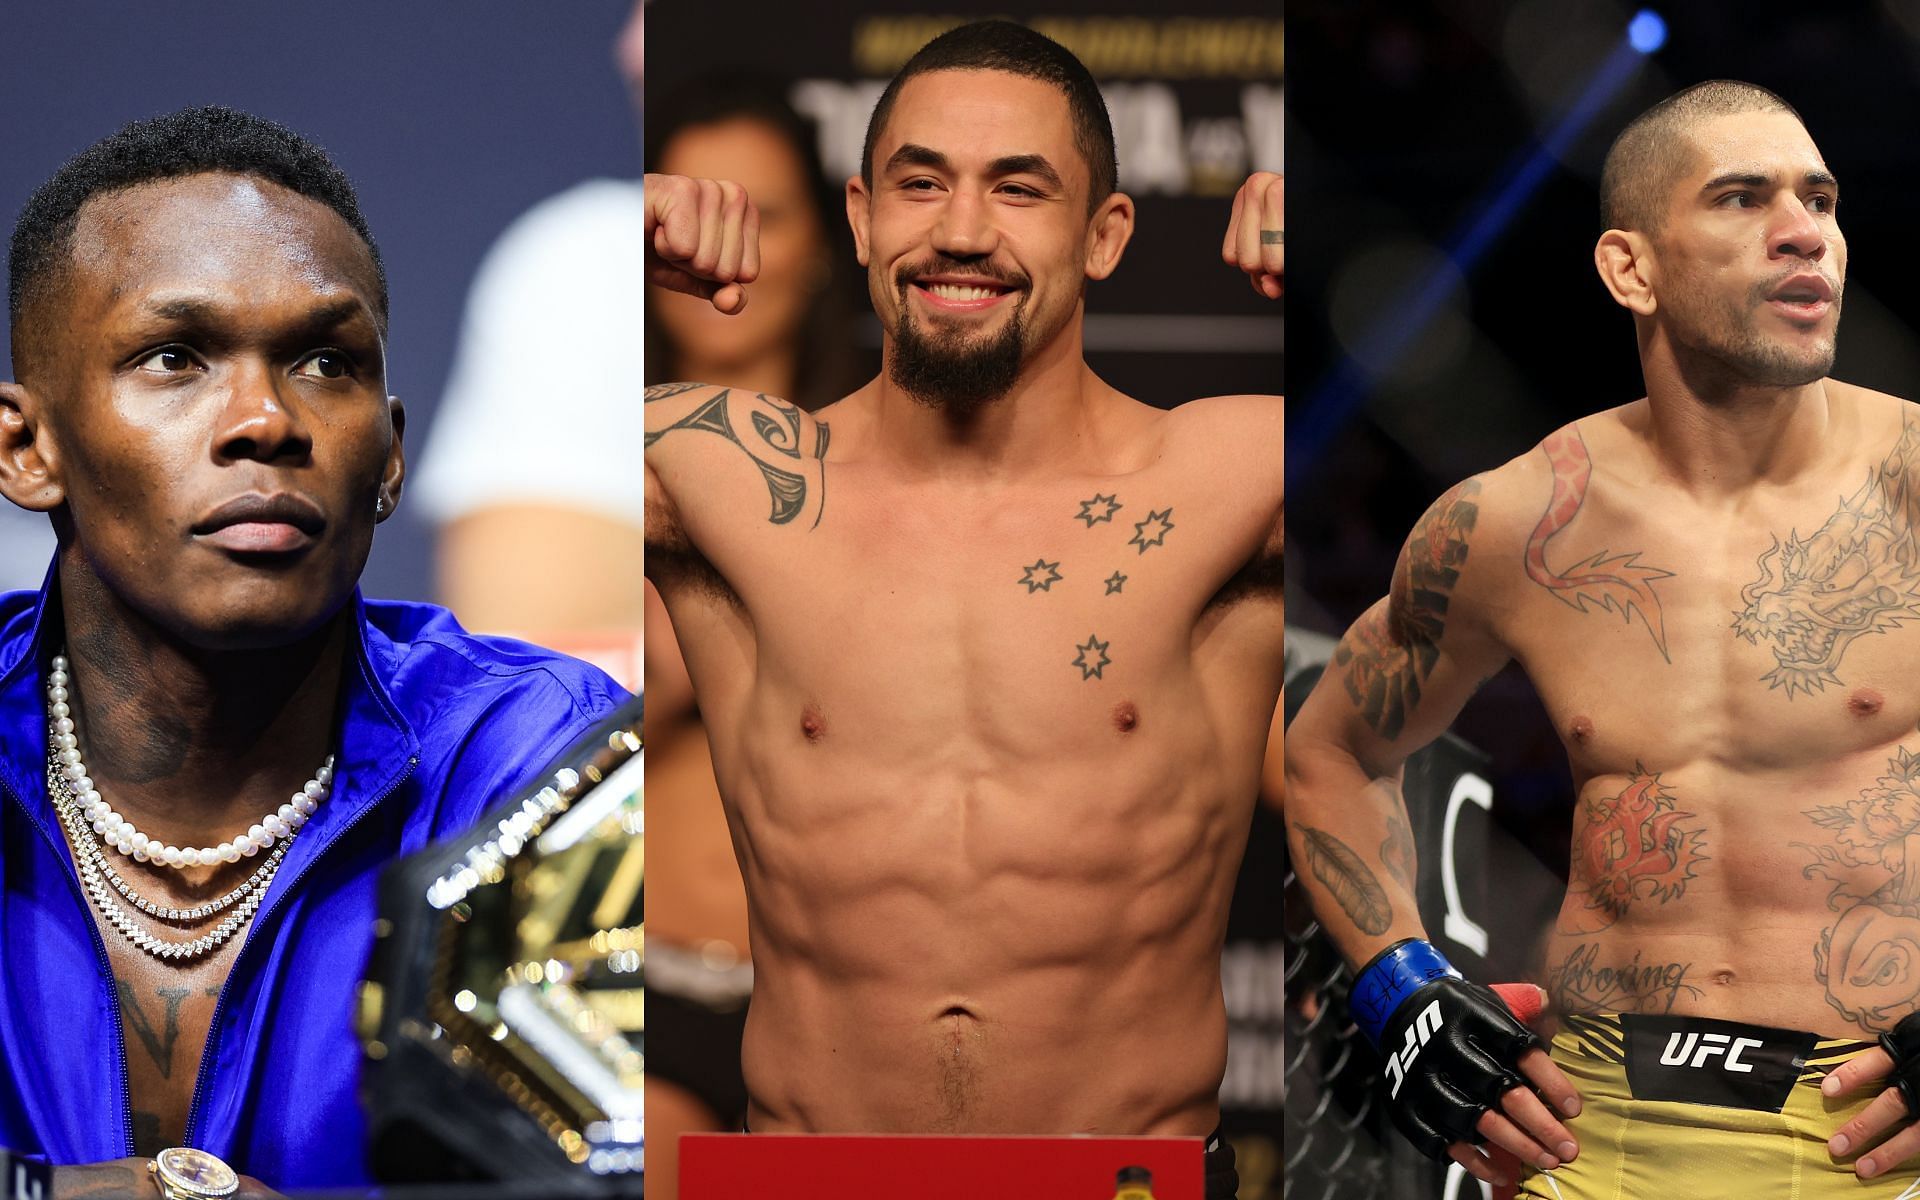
x: 1684, y: 1108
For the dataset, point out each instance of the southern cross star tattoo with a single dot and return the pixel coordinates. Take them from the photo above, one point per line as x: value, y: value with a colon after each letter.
x: 1037, y: 582
x: 1114, y: 582
x: 1090, y: 668
x: 1161, y: 523
x: 1106, y: 506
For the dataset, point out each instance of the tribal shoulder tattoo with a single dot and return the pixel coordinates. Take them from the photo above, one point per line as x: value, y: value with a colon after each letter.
x: 770, y: 432
x: 1391, y: 650
x: 1858, y: 574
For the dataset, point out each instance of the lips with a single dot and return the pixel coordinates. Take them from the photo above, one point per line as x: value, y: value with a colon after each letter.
x: 1807, y: 296
x: 255, y: 524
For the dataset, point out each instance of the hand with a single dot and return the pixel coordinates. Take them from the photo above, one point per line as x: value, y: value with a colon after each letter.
x: 1256, y: 236
x: 1522, y: 1130
x: 703, y: 238
x: 129, y: 1179
x: 1887, y: 1111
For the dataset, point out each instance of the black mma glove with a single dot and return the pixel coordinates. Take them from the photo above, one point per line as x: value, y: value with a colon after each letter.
x: 1902, y: 1044
x: 1451, y: 1047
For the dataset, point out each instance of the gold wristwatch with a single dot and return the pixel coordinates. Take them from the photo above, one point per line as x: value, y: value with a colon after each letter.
x: 183, y: 1173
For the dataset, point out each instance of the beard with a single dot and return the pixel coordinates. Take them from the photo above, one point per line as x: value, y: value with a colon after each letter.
x: 949, y: 367
x: 1729, y: 334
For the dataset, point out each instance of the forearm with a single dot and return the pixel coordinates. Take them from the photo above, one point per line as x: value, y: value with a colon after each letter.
x: 1352, y: 846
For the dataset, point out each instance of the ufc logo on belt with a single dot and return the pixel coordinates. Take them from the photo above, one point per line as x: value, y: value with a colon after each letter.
x: 1424, y: 1027
x: 1679, y: 1046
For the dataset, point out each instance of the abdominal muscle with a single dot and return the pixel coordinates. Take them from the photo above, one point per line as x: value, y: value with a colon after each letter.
x: 1028, y: 944
x: 1776, y: 898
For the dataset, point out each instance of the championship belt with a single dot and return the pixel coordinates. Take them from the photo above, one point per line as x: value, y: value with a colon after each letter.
x: 501, y: 1013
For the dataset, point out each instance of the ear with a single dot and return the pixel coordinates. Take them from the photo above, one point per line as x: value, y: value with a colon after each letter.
x: 1108, y: 234
x: 29, y: 474
x: 394, y: 477
x: 859, y: 215
x: 1626, y: 264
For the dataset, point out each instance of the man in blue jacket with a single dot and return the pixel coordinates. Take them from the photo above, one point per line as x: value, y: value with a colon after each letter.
x: 209, y: 742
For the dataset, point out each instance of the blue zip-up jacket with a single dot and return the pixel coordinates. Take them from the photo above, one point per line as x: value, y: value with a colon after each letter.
x: 436, y: 723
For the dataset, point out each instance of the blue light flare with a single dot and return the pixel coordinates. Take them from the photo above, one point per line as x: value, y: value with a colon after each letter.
x: 1647, y: 32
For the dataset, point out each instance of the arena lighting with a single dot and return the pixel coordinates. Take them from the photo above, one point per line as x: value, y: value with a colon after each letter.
x: 1647, y: 32
x: 1388, y: 338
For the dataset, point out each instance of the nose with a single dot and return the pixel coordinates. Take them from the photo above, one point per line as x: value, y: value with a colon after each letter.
x: 258, y: 424
x: 965, y: 228
x: 1796, y: 234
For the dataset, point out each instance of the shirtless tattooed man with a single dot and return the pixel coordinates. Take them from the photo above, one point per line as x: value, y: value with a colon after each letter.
x: 1715, y: 590
x: 988, y: 650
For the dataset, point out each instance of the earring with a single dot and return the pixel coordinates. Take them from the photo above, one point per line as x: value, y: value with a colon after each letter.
x: 380, y: 506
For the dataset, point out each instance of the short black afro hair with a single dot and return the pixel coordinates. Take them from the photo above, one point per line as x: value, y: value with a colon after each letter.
x: 1017, y: 50
x: 192, y: 141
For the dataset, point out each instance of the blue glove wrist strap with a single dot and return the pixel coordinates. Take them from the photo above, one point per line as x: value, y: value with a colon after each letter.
x: 1394, y: 974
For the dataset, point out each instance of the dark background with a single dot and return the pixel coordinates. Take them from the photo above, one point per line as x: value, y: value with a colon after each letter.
x: 451, y: 117
x: 1407, y: 119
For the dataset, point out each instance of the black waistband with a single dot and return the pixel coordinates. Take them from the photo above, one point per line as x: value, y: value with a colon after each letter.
x: 1697, y: 1060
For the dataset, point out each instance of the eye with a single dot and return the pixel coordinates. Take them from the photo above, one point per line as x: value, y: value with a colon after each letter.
x: 921, y: 184
x: 1738, y: 200
x: 1021, y: 190
x: 167, y: 360
x: 1820, y: 202
x: 324, y: 364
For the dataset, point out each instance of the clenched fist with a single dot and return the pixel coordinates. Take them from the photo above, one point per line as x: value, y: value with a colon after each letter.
x: 703, y: 238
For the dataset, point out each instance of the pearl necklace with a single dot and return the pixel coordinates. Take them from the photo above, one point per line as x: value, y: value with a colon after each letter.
x: 91, y: 864
x: 118, y: 832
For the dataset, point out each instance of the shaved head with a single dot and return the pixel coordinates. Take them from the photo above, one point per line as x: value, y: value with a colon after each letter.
x: 1652, y: 151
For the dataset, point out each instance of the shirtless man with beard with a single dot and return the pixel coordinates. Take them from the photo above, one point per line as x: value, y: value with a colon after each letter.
x: 1714, y: 590
x: 988, y: 650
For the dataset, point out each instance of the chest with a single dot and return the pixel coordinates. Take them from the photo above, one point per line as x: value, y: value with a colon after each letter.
x: 1785, y: 637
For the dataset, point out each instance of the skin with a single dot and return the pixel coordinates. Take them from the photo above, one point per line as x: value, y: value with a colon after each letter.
x: 755, y: 346
x: 1688, y: 488
x: 987, y: 889
x: 218, y: 338
x: 700, y: 899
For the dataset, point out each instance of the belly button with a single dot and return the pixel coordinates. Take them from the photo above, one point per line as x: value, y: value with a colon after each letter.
x: 1723, y: 977
x: 1865, y: 702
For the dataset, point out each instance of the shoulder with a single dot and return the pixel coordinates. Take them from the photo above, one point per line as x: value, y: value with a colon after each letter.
x: 16, y: 626
x: 437, y: 672
x: 1242, y: 435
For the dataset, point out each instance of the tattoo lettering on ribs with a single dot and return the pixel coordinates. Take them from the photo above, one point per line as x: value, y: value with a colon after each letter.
x: 1392, y: 649
x: 1582, y: 983
x: 1090, y: 666
x: 1351, y: 882
x: 1617, y: 584
x: 1857, y: 574
x: 1037, y: 582
x: 1637, y: 846
x: 773, y: 447
x: 1100, y: 508
x: 1868, y: 960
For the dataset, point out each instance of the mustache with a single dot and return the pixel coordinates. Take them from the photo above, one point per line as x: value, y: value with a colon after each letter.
x: 943, y: 264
